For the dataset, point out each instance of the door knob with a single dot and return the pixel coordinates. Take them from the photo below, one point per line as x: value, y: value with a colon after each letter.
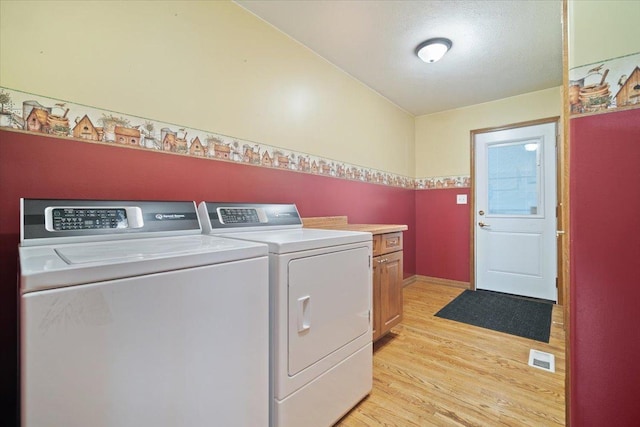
x: 482, y: 224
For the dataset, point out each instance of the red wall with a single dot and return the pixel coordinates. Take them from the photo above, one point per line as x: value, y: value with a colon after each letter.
x: 605, y: 273
x: 605, y: 233
x: 442, y: 234
x: 41, y: 167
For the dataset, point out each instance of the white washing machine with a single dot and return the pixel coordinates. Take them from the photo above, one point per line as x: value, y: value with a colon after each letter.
x: 130, y: 317
x: 320, y: 303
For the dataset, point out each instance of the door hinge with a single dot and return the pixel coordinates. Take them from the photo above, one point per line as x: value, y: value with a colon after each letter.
x: 556, y: 283
x: 369, y: 261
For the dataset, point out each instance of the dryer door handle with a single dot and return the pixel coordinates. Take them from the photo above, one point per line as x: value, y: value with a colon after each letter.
x: 304, y: 313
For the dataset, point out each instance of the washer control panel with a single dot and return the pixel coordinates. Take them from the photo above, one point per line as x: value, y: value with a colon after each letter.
x: 92, y: 218
x: 57, y: 221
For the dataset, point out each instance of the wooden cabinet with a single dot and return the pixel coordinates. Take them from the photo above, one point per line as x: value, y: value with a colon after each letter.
x: 387, y: 282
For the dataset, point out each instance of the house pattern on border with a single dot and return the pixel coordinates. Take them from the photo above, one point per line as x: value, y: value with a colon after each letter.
x: 605, y: 85
x: 50, y: 116
x: 590, y: 91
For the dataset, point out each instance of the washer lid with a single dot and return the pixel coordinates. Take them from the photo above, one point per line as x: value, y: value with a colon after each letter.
x: 138, y: 250
x: 43, y: 267
x: 302, y: 239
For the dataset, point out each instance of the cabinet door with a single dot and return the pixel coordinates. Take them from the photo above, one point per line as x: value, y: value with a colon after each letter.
x: 375, y: 305
x: 390, y: 307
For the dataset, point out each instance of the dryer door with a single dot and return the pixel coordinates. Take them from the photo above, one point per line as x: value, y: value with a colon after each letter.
x: 329, y: 303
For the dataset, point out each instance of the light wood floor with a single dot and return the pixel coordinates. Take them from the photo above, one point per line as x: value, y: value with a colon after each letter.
x: 434, y: 372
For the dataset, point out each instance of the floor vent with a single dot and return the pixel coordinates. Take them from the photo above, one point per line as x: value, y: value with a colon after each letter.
x: 541, y: 360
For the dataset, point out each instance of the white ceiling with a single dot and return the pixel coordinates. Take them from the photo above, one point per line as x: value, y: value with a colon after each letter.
x: 500, y: 48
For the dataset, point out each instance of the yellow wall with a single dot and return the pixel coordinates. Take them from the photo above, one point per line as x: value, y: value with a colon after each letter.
x: 443, y: 139
x: 206, y: 65
x: 600, y: 30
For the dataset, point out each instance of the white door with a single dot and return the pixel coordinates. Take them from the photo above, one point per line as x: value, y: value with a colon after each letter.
x: 515, y: 211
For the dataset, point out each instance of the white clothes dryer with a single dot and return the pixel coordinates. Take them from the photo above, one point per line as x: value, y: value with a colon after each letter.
x: 320, y: 310
x: 130, y: 317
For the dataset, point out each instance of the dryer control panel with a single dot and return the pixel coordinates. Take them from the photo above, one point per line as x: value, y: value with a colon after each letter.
x: 222, y: 217
x: 236, y: 215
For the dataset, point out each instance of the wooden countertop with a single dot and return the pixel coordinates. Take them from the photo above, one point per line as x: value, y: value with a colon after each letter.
x: 341, y: 223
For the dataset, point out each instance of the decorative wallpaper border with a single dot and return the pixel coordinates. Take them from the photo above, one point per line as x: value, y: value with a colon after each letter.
x: 43, y: 115
x: 441, y: 182
x: 605, y: 85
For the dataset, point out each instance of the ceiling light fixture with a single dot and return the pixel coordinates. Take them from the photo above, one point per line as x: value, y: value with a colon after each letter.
x: 433, y: 50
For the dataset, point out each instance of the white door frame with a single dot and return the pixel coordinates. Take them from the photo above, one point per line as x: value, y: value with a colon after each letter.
x: 472, y: 204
